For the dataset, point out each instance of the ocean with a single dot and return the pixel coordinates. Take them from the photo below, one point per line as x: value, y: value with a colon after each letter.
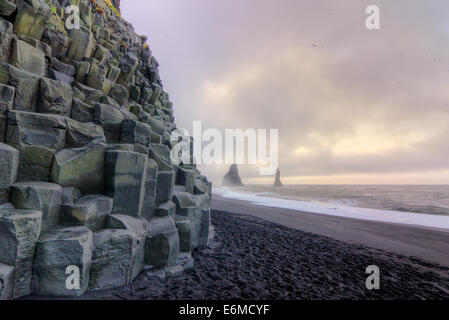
x: 424, y: 205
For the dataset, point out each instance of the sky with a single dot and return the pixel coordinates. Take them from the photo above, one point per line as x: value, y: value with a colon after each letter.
x: 352, y: 105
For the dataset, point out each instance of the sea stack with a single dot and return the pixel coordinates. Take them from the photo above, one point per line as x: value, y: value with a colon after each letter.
x: 232, y: 178
x: 277, y: 181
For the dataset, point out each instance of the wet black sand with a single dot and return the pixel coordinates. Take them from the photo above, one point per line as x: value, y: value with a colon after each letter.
x: 428, y: 244
x: 255, y: 259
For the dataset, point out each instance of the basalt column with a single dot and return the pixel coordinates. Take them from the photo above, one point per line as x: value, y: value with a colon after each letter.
x: 87, y: 186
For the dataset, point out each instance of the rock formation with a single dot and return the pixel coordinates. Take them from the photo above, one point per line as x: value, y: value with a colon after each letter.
x: 232, y: 178
x: 277, y: 181
x: 87, y: 187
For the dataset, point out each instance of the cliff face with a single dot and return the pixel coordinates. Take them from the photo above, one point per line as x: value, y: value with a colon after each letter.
x: 88, y: 194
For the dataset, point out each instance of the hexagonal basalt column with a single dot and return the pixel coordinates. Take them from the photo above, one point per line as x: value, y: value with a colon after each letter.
x: 6, y: 97
x: 62, y: 263
x: 9, y: 159
x: 32, y: 18
x: 55, y: 97
x: 7, y: 7
x: 112, y: 259
x: 19, y: 231
x: 80, y: 167
x: 89, y: 211
x: 125, y: 174
x: 27, y: 57
x: 150, y: 190
x: 26, y: 86
x: 137, y: 133
x: 37, y: 137
x: 185, y: 235
x: 139, y: 227
x: 165, y: 184
x: 82, y: 44
x: 162, y: 243
x: 6, y: 281
x: 41, y: 196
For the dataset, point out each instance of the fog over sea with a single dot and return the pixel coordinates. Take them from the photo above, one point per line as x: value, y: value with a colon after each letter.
x: 425, y: 205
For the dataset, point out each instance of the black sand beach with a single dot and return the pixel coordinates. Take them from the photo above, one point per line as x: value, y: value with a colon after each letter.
x: 252, y: 258
x: 428, y: 244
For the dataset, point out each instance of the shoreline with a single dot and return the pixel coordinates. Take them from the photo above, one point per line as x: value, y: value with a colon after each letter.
x: 415, y: 219
x: 252, y: 258
x: 429, y: 244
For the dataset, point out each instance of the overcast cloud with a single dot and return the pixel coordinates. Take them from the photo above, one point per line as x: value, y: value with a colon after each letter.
x: 352, y: 105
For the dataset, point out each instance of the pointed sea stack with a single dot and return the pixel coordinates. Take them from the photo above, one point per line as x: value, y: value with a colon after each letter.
x: 277, y: 181
x: 232, y: 178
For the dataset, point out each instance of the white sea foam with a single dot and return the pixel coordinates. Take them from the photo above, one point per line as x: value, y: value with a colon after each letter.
x: 408, y: 218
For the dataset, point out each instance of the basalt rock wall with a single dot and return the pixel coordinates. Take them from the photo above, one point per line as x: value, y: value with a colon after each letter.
x: 88, y: 194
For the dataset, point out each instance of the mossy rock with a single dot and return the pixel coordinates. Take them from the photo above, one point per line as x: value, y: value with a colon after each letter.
x: 31, y: 20
x: 7, y: 7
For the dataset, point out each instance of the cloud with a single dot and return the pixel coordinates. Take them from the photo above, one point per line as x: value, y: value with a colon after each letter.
x: 347, y: 101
